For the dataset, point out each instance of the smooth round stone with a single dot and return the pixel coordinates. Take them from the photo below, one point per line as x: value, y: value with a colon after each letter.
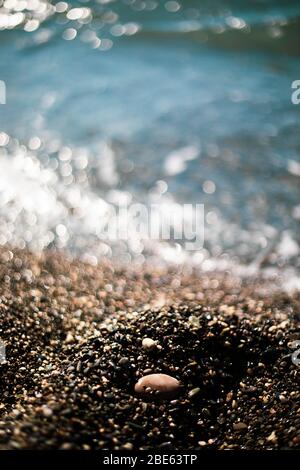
x: 148, y: 344
x: 164, y: 385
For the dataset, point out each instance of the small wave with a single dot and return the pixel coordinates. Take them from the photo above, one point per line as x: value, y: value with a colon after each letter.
x: 100, y: 24
x: 275, y: 37
x: 42, y: 207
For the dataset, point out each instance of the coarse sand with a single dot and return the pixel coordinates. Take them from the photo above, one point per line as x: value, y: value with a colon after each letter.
x: 72, y: 336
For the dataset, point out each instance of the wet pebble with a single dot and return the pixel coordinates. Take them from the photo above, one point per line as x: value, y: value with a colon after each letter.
x: 163, y: 384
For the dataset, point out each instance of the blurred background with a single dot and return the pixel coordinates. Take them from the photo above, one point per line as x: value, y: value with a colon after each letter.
x: 155, y: 102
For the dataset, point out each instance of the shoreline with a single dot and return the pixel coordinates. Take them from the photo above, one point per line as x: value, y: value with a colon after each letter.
x: 67, y: 326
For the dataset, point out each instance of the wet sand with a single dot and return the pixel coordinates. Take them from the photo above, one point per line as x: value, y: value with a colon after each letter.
x: 73, y: 338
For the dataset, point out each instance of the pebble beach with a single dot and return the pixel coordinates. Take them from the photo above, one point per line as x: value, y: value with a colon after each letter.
x: 80, y: 340
x: 149, y: 230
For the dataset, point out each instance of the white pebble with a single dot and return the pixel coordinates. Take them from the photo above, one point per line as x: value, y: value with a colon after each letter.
x: 149, y: 344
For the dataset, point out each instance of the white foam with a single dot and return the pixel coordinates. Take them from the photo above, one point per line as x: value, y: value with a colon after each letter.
x: 176, y: 161
x: 39, y: 207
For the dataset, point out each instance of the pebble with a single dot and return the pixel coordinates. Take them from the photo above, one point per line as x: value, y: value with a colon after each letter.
x: 239, y: 426
x: 194, y: 392
x: 202, y: 443
x: 283, y: 399
x: 127, y: 446
x: 47, y: 412
x: 272, y: 437
x: 123, y: 361
x: 163, y: 384
x: 69, y: 338
x: 149, y: 344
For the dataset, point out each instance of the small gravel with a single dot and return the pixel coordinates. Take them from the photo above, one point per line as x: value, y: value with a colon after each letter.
x: 74, y: 333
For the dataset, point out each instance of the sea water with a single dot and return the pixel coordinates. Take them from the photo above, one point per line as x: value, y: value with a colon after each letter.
x: 142, y: 101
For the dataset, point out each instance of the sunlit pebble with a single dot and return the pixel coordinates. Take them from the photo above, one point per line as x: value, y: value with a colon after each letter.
x: 163, y: 384
x: 4, y: 139
x: 172, y: 6
x: 149, y: 344
x: 61, y: 7
x: 209, y: 187
x: 69, y: 34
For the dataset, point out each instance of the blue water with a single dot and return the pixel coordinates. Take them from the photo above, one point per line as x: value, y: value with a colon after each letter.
x: 214, y: 77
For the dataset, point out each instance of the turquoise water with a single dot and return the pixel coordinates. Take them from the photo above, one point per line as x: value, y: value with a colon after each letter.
x: 132, y: 96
